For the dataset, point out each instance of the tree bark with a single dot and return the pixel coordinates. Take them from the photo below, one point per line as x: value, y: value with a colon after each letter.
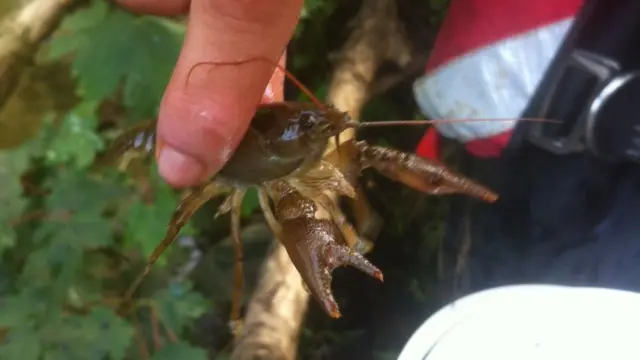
x: 21, y: 34
x: 277, y: 309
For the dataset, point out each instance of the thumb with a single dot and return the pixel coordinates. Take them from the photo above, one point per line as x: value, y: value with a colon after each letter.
x: 201, y: 122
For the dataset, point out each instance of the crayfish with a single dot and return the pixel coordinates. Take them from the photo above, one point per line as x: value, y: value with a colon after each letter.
x: 283, y: 156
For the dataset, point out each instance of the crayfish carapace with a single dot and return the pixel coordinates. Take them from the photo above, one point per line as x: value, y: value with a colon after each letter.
x: 282, y: 155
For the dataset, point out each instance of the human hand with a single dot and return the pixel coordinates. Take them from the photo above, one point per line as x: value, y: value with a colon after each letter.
x: 201, y: 123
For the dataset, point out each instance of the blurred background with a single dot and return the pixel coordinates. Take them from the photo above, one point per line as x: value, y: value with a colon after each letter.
x: 75, y: 73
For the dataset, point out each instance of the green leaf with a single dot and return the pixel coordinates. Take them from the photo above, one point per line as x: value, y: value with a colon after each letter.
x: 8, y: 237
x: 75, y: 141
x: 157, y: 53
x: 114, y: 334
x: 250, y: 202
x: 141, y: 50
x: 99, y: 334
x: 146, y: 224
x: 178, y: 305
x: 317, y: 8
x: 55, y: 268
x: 76, y: 192
x: 81, y: 231
x: 379, y: 109
x: 75, y: 206
x: 13, y: 163
x: 68, y: 38
x: 21, y: 343
x: 18, y: 309
x: 319, y: 91
x: 180, y: 351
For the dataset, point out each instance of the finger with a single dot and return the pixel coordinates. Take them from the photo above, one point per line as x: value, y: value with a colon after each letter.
x: 201, y: 123
x: 155, y: 7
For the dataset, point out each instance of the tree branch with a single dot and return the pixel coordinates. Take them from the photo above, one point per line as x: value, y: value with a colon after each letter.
x: 21, y: 33
x: 277, y: 309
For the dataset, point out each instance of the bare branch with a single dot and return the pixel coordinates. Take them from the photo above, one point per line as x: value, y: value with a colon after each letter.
x: 275, y: 314
x: 21, y: 33
x: 277, y: 309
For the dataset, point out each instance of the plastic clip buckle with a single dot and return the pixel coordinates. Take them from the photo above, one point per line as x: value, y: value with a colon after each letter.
x: 597, y: 68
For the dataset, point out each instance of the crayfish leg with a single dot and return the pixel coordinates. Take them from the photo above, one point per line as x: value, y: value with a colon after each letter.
x: 322, y: 178
x: 368, y: 223
x: 238, y: 260
x: 263, y: 199
x: 194, y: 199
x: 225, y: 206
x: 420, y: 174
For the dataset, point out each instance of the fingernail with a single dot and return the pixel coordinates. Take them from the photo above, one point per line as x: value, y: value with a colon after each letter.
x: 178, y: 169
x: 159, y: 146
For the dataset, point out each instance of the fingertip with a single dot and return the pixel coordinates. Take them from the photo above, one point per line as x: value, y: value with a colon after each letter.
x: 198, y: 134
x: 178, y: 169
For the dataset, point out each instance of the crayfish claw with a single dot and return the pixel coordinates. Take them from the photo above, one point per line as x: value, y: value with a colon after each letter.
x: 363, y: 245
x: 420, y: 173
x: 328, y: 302
x: 326, y: 254
x: 341, y: 255
x: 315, y: 245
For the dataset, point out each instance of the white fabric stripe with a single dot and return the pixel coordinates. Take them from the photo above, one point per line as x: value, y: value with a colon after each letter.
x: 494, y: 82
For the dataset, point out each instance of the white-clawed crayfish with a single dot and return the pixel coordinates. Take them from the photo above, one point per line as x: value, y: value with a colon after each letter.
x: 282, y: 155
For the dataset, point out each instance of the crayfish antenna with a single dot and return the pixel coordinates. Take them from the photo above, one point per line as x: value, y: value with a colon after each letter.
x: 357, y: 124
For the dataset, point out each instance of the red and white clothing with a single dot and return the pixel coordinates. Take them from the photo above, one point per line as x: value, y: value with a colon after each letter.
x: 487, y: 61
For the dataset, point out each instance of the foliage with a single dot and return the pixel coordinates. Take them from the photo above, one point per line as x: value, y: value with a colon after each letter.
x: 62, y: 220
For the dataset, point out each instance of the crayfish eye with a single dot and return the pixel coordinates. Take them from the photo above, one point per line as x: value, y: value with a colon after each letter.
x: 308, y: 120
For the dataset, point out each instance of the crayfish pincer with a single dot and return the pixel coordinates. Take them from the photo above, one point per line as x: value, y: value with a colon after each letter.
x: 314, y: 244
x: 282, y: 155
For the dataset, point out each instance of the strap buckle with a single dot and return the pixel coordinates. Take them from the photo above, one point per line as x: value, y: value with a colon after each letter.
x: 574, y: 99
